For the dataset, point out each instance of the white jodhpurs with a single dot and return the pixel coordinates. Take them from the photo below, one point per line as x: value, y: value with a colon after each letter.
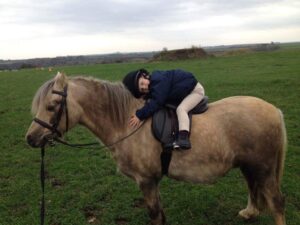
x: 187, y: 104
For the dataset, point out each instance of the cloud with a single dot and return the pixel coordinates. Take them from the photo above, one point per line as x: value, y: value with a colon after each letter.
x: 168, y: 23
x: 119, y: 15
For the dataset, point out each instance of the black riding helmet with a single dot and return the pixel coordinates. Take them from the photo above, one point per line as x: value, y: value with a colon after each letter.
x: 131, y: 81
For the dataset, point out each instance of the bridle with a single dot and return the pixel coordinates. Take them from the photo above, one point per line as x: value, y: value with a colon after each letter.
x: 57, y: 117
x: 56, y: 134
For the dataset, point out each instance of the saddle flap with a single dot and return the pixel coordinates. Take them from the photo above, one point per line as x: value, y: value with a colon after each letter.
x: 164, y: 125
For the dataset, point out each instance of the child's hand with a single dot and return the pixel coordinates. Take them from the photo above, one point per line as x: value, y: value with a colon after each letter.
x: 134, y: 121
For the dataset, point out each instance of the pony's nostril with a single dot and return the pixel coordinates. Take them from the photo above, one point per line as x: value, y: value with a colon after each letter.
x: 30, y: 140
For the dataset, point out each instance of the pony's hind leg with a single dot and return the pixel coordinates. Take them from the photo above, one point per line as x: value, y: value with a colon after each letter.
x: 252, y: 209
x: 275, y: 200
x: 264, y: 191
x: 150, y: 190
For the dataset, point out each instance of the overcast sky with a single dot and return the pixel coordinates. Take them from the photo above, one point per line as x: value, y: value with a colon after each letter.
x: 49, y: 28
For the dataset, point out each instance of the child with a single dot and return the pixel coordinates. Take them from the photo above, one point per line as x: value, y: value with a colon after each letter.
x: 175, y: 87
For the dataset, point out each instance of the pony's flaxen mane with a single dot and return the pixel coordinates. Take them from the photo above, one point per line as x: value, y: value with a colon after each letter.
x: 113, y: 98
x: 40, y: 95
x: 120, y: 102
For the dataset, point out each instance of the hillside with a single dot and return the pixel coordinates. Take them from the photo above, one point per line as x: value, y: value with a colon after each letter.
x: 76, y: 60
x: 177, y: 54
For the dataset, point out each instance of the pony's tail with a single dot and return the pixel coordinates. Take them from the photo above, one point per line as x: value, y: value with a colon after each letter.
x: 282, y: 150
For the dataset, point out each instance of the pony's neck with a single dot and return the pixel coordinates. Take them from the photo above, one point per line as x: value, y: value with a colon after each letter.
x: 106, y: 107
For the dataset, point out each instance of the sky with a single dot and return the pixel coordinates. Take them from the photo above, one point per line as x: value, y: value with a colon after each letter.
x: 50, y: 28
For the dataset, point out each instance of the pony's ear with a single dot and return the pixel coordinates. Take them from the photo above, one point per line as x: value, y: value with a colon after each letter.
x: 60, y: 79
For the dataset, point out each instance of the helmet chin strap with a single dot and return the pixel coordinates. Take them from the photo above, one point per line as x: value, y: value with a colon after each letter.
x: 146, y: 76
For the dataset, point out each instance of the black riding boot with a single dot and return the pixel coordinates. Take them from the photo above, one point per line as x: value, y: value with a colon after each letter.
x: 183, y: 140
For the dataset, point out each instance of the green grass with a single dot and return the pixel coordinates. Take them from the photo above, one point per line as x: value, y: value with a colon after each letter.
x: 83, y: 184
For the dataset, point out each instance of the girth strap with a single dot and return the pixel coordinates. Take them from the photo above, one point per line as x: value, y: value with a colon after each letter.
x: 165, y: 159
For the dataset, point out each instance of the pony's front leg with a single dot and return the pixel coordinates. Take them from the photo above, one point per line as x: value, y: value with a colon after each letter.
x: 152, y: 200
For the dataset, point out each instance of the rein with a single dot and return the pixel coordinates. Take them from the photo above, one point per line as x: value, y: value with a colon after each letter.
x: 56, y: 136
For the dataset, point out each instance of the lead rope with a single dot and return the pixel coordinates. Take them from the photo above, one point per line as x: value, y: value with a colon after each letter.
x: 42, y: 175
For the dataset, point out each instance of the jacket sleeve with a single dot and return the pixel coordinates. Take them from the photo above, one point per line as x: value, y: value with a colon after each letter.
x: 159, y: 95
x: 148, y: 110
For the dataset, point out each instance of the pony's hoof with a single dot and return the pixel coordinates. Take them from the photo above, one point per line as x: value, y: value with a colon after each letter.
x: 248, y: 214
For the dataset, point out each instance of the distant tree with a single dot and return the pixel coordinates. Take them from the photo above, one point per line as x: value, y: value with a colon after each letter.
x: 27, y: 66
x: 194, y: 47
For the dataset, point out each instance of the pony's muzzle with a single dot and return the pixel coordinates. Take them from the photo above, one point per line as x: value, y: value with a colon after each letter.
x: 32, y: 141
x: 35, y: 142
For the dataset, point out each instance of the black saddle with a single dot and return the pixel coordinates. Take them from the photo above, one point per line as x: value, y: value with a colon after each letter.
x: 165, y: 123
x: 165, y: 129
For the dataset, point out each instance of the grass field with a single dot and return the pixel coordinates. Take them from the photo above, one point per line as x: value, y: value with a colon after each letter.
x: 84, y: 187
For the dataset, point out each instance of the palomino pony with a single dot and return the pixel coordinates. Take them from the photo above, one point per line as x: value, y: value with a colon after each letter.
x: 244, y: 132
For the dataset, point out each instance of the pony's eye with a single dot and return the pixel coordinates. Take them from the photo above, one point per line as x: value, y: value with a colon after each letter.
x: 51, y: 108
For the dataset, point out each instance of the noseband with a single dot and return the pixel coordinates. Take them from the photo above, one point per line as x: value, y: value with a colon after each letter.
x: 57, y: 117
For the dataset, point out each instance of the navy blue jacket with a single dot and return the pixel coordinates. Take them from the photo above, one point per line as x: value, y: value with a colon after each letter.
x: 167, y: 87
